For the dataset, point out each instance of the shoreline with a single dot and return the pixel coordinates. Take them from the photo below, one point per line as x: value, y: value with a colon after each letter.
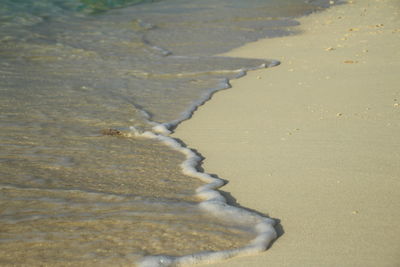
x: 314, y: 142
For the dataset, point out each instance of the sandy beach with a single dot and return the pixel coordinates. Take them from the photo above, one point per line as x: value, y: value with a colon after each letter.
x: 315, y: 142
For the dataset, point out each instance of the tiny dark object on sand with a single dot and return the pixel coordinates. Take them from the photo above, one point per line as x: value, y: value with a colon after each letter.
x: 112, y: 132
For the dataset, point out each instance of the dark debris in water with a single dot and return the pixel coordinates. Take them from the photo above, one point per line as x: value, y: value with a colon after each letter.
x: 111, y: 132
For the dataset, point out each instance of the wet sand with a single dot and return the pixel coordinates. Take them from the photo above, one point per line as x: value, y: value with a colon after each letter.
x: 315, y: 142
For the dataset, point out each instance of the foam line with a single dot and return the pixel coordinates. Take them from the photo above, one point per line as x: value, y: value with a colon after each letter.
x: 166, y: 128
x: 213, y: 202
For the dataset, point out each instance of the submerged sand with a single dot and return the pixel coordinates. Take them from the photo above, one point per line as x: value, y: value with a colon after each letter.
x: 315, y: 142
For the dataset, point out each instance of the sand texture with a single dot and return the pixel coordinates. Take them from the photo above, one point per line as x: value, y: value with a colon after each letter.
x: 315, y: 142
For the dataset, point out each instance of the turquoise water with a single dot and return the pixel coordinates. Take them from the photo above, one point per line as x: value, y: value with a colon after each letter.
x: 89, y: 91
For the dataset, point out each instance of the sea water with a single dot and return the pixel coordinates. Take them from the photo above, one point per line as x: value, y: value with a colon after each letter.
x: 89, y: 91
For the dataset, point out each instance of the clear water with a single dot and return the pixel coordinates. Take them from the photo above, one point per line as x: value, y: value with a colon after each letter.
x: 70, y: 193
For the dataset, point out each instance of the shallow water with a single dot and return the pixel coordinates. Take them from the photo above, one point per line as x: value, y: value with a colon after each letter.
x: 71, y: 194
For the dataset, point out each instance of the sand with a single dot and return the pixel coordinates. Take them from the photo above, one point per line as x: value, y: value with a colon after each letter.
x: 315, y: 142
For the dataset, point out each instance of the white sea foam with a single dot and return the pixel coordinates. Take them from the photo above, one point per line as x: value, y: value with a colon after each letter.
x: 166, y: 128
x: 213, y: 202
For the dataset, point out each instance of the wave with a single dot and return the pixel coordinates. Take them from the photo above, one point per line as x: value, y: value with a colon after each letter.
x: 212, y: 200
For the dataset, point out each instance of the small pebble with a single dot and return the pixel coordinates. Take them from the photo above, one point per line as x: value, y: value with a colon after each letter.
x: 339, y: 114
x: 355, y: 212
x: 329, y: 49
x: 396, y: 104
x: 258, y: 77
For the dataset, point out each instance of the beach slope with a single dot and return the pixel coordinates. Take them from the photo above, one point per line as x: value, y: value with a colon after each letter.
x: 315, y: 142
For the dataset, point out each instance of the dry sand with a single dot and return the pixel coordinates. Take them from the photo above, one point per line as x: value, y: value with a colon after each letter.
x: 315, y: 142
